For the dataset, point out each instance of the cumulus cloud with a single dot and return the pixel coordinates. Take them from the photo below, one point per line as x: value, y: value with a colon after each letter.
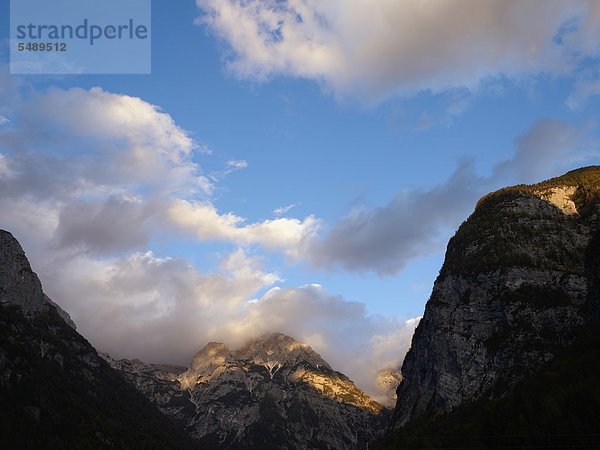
x: 114, y: 168
x: 160, y: 309
x: 376, y: 49
x: 203, y: 220
x: 166, y: 310
x: 417, y: 223
x: 131, y: 140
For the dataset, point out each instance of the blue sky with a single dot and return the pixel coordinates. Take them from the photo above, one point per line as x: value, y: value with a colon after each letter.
x: 378, y: 126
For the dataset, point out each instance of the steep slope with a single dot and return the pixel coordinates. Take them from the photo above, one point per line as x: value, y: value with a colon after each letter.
x: 557, y: 407
x: 273, y: 393
x: 515, y: 289
x: 55, y: 391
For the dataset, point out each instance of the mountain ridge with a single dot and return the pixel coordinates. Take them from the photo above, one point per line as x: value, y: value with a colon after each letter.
x: 230, y: 398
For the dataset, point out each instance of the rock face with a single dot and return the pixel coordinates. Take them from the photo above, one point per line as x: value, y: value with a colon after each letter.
x: 514, y: 288
x: 55, y: 391
x: 273, y: 393
x: 19, y: 285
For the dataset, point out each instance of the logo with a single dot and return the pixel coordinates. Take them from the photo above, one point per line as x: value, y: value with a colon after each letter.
x: 80, y: 37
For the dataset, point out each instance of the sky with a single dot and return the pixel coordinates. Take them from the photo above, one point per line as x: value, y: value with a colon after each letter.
x: 288, y: 165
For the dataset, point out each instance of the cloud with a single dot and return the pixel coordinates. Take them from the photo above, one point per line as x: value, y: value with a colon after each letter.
x: 105, y: 226
x: 74, y: 142
x: 372, y: 50
x: 203, y: 220
x: 284, y: 209
x: 158, y: 309
x: 417, y: 223
x: 116, y: 169
x: 230, y: 166
x: 547, y: 146
x: 351, y: 340
x: 385, y: 239
x: 164, y: 310
x: 585, y: 89
x: 235, y: 165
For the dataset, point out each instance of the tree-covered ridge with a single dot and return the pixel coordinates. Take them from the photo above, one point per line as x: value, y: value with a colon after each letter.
x: 518, y: 227
x: 585, y: 179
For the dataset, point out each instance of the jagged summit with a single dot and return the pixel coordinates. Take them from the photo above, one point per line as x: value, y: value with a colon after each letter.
x: 274, y: 391
x: 282, y: 349
x: 212, y: 355
x: 272, y: 350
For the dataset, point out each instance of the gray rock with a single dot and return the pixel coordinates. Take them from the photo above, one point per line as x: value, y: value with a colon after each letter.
x: 512, y: 291
x: 273, y: 393
x: 19, y: 285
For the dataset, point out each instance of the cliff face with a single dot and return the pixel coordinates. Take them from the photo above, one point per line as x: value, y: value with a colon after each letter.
x: 515, y: 287
x: 273, y: 393
x: 55, y: 391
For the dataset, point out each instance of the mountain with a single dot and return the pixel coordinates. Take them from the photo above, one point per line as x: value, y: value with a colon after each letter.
x: 517, y: 292
x: 55, y: 391
x: 273, y: 393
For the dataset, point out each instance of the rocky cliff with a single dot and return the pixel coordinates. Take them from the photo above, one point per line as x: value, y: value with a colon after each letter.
x: 273, y: 393
x: 55, y: 391
x: 518, y: 284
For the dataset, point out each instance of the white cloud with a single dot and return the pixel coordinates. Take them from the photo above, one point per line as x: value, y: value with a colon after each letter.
x: 284, y: 209
x: 203, y: 220
x: 157, y: 309
x: 133, y: 140
x: 376, y: 49
x: 116, y: 169
x: 98, y: 114
x: 230, y: 166
x: 234, y: 165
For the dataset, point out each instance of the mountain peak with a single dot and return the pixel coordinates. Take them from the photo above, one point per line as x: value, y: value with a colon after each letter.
x: 213, y: 354
x: 19, y: 285
x: 228, y: 398
x: 278, y: 348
